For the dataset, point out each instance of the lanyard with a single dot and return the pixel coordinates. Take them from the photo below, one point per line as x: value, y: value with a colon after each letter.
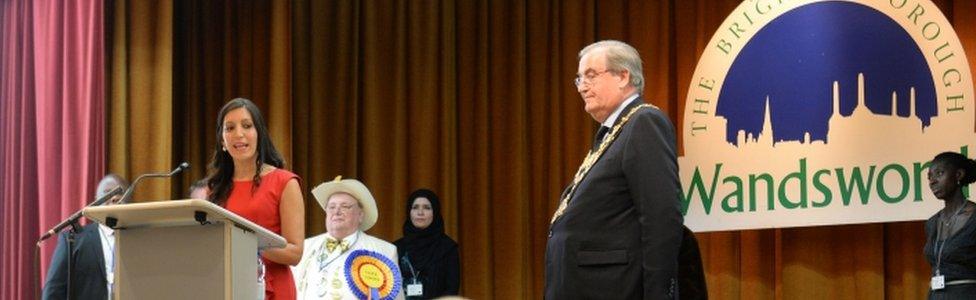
x: 938, y: 235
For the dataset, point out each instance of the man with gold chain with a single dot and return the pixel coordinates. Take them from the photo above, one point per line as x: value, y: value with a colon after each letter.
x: 345, y: 262
x: 617, y: 231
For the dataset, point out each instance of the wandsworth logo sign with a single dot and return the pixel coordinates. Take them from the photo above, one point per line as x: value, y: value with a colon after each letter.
x: 804, y: 113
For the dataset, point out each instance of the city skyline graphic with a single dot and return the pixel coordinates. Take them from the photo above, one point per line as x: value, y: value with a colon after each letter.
x: 857, y: 55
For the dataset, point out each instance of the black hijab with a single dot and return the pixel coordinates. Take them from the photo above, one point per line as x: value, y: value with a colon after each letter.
x: 425, y: 247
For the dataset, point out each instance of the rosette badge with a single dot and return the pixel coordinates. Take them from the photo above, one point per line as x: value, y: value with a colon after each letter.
x: 372, y: 275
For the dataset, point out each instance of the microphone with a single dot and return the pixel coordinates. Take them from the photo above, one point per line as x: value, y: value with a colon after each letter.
x: 406, y: 261
x: 128, y: 192
x: 74, y: 217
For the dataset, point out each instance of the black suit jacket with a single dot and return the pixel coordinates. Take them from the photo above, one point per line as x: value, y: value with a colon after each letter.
x: 88, y: 262
x: 619, y: 237
x: 691, y: 274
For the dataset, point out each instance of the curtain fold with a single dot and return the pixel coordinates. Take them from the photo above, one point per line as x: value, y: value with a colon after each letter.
x: 140, y: 139
x: 18, y: 165
x: 69, y: 89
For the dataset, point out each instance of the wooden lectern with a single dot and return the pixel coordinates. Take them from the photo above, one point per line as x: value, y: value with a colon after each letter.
x: 183, y: 249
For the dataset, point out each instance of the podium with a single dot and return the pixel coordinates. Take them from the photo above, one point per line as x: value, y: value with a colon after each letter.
x: 183, y: 249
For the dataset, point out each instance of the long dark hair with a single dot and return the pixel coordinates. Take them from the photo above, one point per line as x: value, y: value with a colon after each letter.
x: 957, y: 161
x: 221, y: 178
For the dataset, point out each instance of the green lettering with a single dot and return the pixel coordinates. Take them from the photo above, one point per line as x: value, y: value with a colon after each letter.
x: 736, y: 29
x: 801, y: 177
x: 828, y: 195
x: 919, y: 167
x: 761, y: 10
x: 724, y: 46
x: 696, y: 128
x: 727, y: 205
x: 707, y: 84
x: 904, y: 183
x: 846, y: 189
x: 700, y: 106
x: 956, y: 103
x: 918, y: 11
x: 698, y: 185
x: 769, y: 190
x: 944, y: 56
x: 933, y: 36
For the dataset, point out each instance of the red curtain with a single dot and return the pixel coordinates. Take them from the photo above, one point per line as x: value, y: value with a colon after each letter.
x: 18, y: 175
x: 52, y: 131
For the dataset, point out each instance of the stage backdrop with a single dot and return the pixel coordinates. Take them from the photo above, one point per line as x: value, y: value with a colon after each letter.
x: 473, y: 99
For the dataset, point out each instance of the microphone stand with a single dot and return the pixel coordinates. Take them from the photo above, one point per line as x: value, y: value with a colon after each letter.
x: 72, y: 221
x: 132, y: 188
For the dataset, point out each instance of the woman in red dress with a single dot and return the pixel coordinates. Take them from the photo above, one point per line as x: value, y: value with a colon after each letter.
x: 247, y: 178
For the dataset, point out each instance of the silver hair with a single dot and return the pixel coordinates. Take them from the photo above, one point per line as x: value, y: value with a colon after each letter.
x: 620, y: 56
x: 108, y: 183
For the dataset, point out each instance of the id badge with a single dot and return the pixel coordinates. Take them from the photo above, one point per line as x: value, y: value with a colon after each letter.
x: 416, y: 289
x: 938, y: 282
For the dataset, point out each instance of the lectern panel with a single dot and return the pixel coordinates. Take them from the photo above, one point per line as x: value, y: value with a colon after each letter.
x: 150, y: 267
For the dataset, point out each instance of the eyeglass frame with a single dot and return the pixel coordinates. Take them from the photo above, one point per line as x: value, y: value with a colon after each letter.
x: 588, y: 77
x: 343, y: 208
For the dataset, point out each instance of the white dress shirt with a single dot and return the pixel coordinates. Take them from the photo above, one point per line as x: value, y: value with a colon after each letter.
x: 616, y: 113
x: 107, y: 235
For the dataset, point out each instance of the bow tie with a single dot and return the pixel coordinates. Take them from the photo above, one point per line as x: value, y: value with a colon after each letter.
x: 331, y: 244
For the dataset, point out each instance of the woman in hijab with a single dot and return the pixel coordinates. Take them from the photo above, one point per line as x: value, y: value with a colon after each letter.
x: 429, y: 259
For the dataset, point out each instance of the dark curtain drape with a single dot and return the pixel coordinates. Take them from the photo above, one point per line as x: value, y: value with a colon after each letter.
x: 474, y: 100
x: 52, y: 129
x: 223, y: 50
x: 141, y: 137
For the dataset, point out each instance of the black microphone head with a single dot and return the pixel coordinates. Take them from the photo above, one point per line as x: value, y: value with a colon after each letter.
x: 184, y: 165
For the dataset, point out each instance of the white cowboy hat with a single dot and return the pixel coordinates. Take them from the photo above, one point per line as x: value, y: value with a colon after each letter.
x: 352, y: 187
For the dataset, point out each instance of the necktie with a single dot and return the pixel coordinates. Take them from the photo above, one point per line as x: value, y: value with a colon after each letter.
x: 599, y: 138
x: 331, y: 244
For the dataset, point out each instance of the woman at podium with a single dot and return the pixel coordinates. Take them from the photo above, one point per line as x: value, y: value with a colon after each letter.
x: 247, y: 178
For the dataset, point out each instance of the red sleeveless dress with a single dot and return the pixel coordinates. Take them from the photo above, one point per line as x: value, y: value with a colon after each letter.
x: 261, y: 207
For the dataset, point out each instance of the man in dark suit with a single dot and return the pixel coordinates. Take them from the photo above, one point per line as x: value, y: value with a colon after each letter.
x: 92, y: 257
x: 618, y: 228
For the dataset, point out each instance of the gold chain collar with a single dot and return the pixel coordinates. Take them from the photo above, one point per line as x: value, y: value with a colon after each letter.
x: 591, y: 159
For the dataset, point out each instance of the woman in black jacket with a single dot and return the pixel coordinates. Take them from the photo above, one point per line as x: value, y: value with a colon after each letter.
x: 429, y: 259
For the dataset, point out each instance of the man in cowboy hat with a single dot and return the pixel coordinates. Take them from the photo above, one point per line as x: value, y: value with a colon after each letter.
x: 345, y: 262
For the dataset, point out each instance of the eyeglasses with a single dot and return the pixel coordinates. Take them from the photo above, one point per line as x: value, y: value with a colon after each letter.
x: 343, y: 208
x: 588, y: 78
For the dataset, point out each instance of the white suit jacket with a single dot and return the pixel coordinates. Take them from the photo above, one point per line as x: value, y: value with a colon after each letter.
x: 322, y: 275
